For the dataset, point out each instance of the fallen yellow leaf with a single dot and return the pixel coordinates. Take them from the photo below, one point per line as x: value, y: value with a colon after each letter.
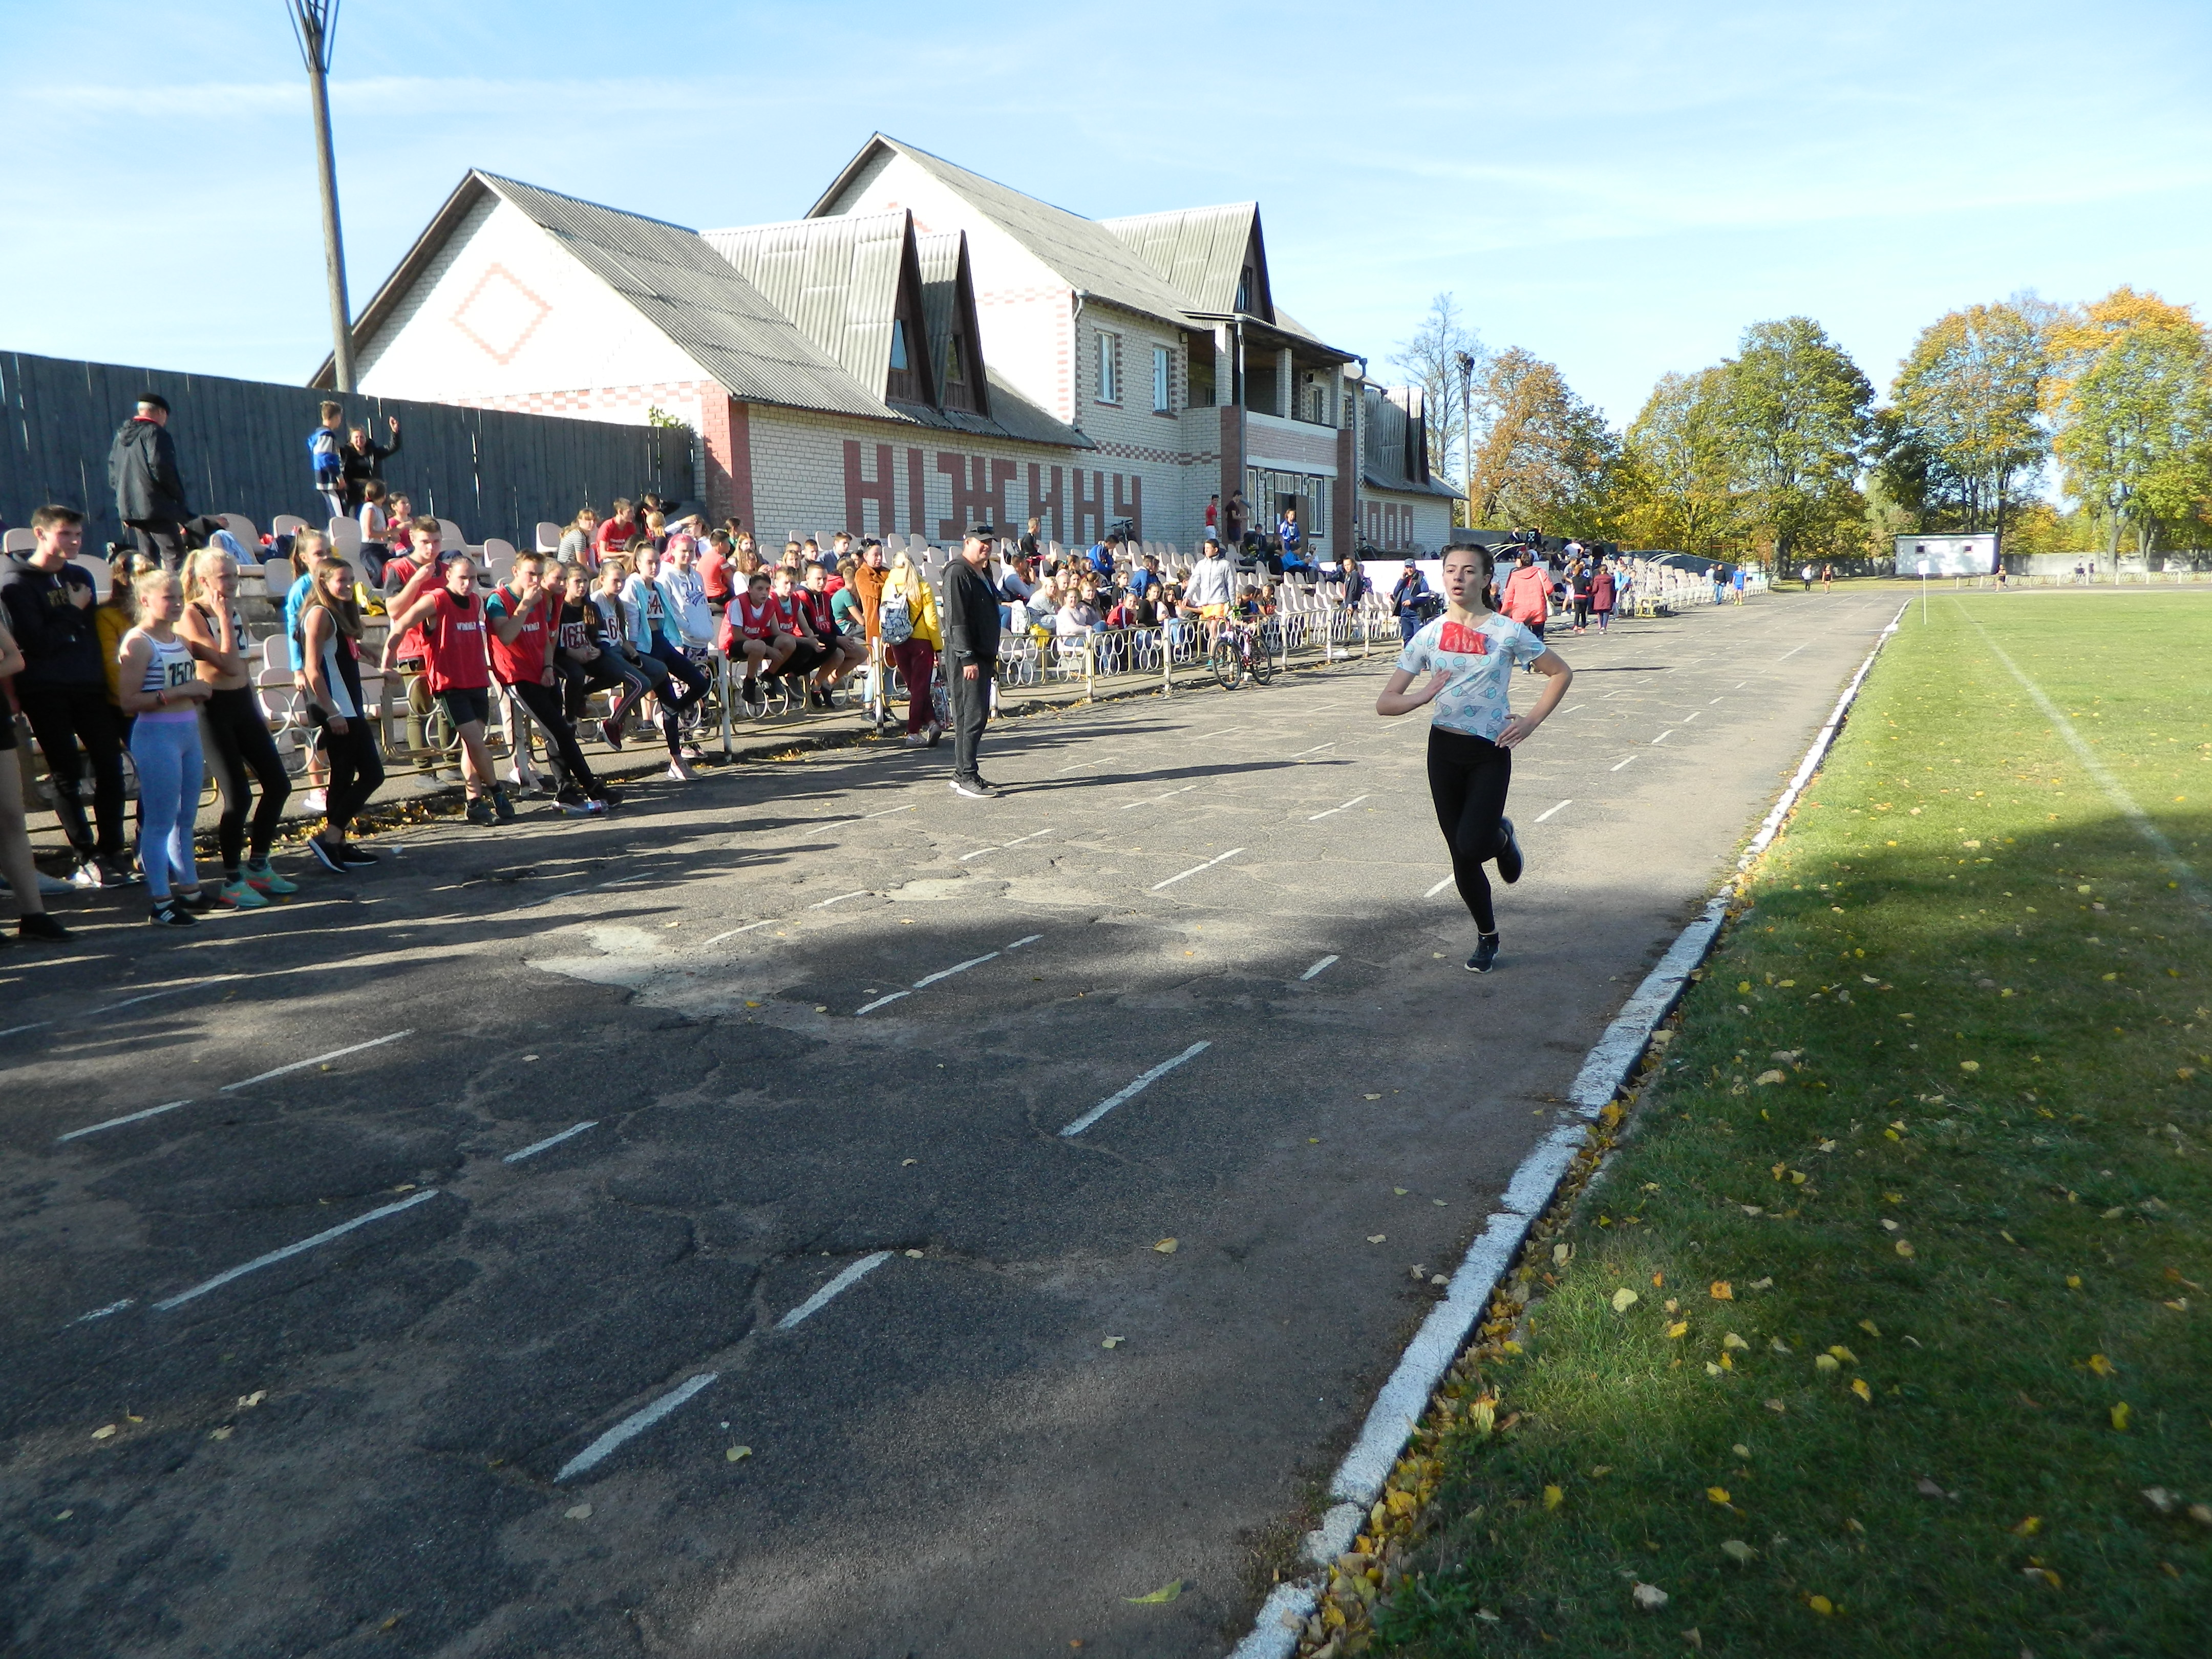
x: 1821, y: 1604
x: 1113, y: 1342
x: 1377, y: 1238
x: 1723, y: 1292
x: 2100, y: 1365
x: 1732, y: 1340
x: 1167, y: 1592
x: 1765, y: 1078
x: 2120, y: 1416
x: 1737, y: 1551
x: 1165, y: 1247
x: 1870, y: 1328
x: 1860, y: 1388
x: 1679, y: 1327
x: 1844, y: 1354
x: 1904, y: 1250
x: 1825, y: 1363
x: 1777, y: 1407
x: 739, y: 1453
x: 1718, y: 1494
x: 1553, y: 1498
x: 1623, y: 1300
x: 104, y: 1433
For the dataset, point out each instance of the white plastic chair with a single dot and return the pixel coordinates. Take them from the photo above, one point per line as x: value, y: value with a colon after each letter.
x: 498, y: 560
x: 449, y: 535
x: 95, y: 568
x: 276, y: 580
x: 549, y: 536
x: 19, y: 541
x: 286, y: 524
x: 345, y: 537
x: 243, y: 533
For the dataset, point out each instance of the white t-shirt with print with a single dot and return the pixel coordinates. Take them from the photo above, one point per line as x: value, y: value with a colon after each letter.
x: 1480, y: 660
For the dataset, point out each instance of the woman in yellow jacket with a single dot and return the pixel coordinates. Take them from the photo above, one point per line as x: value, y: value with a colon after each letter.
x: 909, y: 607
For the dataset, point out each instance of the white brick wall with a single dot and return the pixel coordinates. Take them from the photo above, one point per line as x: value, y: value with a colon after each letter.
x: 1404, y: 522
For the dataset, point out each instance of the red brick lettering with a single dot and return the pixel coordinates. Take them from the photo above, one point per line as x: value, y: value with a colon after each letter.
x: 1132, y: 508
x: 1049, y: 506
x: 883, y: 490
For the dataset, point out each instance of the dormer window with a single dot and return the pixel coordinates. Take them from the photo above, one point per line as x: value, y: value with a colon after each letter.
x: 900, y: 362
x: 1244, y: 290
x: 955, y: 372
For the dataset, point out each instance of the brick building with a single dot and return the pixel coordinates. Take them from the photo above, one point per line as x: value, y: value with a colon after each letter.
x: 924, y: 349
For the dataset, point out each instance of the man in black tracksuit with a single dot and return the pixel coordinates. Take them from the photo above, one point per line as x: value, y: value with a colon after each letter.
x: 64, y: 688
x: 149, y: 491
x: 971, y: 656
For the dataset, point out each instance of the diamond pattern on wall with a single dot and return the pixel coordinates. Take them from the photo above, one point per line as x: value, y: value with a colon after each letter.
x: 499, y: 314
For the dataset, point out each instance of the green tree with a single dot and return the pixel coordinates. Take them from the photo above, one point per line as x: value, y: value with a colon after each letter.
x: 1966, y: 435
x: 1798, y: 419
x: 1431, y: 360
x: 1677, y: 486
x: 1542, y: 456
x: 2131, y: 397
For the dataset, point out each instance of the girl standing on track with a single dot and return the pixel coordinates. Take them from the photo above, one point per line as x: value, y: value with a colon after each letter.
x: 331, y: 634
x: 1471, y: 651
x: 232, y: 729
x: 163, y: 691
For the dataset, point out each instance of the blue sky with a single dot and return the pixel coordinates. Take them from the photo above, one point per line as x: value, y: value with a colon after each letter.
x: 1620, y: 187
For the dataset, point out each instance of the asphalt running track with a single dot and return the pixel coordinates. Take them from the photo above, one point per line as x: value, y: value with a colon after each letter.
x: 703, y: 1232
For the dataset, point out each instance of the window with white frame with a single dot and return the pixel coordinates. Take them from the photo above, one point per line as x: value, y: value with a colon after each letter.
x: 1109, y: 367
x: 1162, y: 371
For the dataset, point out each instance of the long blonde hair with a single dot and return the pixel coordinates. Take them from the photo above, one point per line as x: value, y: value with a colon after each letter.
x: 906, y: 579
x: 204, y: 574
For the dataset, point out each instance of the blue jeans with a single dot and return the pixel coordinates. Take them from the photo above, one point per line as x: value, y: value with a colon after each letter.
x: 167, y: 756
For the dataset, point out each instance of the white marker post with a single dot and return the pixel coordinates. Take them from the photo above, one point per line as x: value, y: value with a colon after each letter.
x: 1923, y: 592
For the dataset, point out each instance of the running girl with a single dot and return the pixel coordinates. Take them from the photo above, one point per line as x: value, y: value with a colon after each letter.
x: 1472, y: 651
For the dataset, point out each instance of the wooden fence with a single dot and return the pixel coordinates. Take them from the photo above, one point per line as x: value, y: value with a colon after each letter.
x: 242, y: 448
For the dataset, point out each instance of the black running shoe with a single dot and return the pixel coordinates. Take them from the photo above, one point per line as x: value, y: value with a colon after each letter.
x: 503, y: 809
x: 1486, y: 954
x: 38, y: 924
x: 356, y: 858
x: 975, y: 789
x: 324, y: 856
x: 167, y: 912
x: 608, y: 795
x: 478, y: 811
x: 1509, y: 856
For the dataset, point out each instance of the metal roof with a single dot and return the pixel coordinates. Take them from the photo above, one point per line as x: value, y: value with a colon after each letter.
x: 699, y: 299
x: 1199, y: 253
x: 837, y: 279
x: 1081, y: 251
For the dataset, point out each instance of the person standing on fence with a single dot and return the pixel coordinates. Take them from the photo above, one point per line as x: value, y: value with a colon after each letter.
x: 326, y: 455
x: 971, y: 657
x: 149, y: 490
x: 63, y: 689
x: 1470, y: 652
x: 363, y: 461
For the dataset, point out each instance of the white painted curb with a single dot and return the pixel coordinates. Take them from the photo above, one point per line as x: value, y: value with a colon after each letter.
x: 1397, y: 1409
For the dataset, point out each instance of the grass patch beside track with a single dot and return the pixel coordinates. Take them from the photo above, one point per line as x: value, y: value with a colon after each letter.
x: 1897, y: 1298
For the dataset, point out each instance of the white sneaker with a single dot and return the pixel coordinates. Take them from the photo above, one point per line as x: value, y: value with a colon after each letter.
x: 316, y: 800
x: 680, y: 772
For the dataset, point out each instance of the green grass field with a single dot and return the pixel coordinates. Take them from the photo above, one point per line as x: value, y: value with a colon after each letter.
x: 1897, y: 1298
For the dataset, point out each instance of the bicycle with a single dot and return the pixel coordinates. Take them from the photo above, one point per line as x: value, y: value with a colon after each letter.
x: 1245, y: 648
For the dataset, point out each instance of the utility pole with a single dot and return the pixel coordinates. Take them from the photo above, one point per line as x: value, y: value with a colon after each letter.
x: 314, y: 24
x: 1467, y: 429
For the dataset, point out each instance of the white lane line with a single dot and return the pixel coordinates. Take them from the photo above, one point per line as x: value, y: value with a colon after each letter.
x: 1195, y: 868
x: 317, y: 1060
x: 1569, y: 711
x: 1715, y: 703
x: 1030, y: 939
x: 2190, y: 884
x: 837, y: 1286
x: 1223, y: 733
x: 35, y: 1025
x: 1315, y: 749
x: 1663, y: 736
x: 1738, y: 685
x: 1438, y: 888
x: 956, y: 968
x: 1016, y: 841
x: 1318, y: 967
x: 1078, y: 766
x: 864, y: 817
x: 734, y: 932
x: 870, y: 1008
x: 102, y: 1313
x: 1032, y: 835
x: 1791, y: 652
x: 1333, y: 811
x: 275, y: 1256
x: 551, y: 1140
x: 1561, y: 807
x: 1154, y: 801
x: 1134, y: 1089
x: 979, y: 853
x: 633, y: 1426
x: 840, y: 899
x: 1616, y: 768
x: 150, y: 996
x: 118, y: 1122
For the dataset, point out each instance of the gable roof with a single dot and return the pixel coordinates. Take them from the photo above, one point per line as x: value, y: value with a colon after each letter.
x: 1201, y: 253
x: 948, y: 305
x: 709, y: 308
x: 1081, y: 251
x: 837, y: 280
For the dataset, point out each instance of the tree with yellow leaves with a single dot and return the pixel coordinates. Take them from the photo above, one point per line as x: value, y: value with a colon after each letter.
x: 2130, y: 399
x: 1964, y: 439
x: 1544, y: 456
x: 1678, y: 479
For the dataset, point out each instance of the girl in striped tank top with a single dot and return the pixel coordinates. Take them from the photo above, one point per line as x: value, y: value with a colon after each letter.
x: 162, y: 686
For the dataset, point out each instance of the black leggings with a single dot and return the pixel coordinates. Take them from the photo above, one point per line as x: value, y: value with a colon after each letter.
x: 1468, y: 777
x: 683, y: 672
x: 244, y: 754
x: 60, y: 716
x: 356, y: 770
x: 544, y: 703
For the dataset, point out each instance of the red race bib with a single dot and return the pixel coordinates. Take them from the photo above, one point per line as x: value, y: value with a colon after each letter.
x: 1459, y: 637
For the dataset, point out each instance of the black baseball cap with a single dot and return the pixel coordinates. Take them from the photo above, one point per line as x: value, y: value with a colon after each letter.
x: 982, y: 532
x: 154, y: 400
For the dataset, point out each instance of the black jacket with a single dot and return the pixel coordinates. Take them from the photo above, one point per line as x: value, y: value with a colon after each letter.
x: 971, y: 615
x: 142, y: 468
x: 60, y: 639
x: 362, y: 466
